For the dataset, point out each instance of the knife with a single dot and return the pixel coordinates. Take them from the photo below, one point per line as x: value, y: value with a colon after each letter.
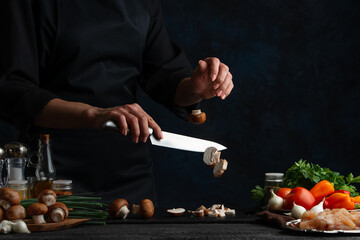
x: 173, y: 140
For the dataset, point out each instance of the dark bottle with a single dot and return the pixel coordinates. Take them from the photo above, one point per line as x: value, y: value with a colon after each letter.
x: 45, y: 170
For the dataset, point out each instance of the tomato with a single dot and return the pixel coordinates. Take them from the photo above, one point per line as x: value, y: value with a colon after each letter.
x: 301, y: 196
x: 282, y: 192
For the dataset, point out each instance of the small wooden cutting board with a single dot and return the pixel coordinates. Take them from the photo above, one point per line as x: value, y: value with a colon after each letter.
x: 67, y: 223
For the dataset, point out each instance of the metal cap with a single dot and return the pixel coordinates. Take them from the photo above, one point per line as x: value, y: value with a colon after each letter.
x: 15, y: 150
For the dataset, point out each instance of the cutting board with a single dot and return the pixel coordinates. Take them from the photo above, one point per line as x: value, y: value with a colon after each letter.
x: 68, y: 223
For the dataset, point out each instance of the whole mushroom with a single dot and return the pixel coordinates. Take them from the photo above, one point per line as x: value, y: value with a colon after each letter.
x: 37, y: 212
x: 48, y: 197
x: 119, y: 208
x: 197, y: 116
x: 15, y: 212
x: 2, y: 214
x: 58, y: 212
x: 9, y: 197
x: 145, y: 208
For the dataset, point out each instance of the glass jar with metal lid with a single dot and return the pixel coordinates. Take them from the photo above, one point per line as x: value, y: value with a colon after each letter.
x: 62, y: 187
x: 2, y: 154
x: 21, y: 187
x: 272, y: 181
x: 15, y: 161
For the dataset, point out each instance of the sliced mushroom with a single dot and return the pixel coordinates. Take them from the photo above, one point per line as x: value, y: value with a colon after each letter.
x: 9, y: 197
x: 48, y: 197
x: 58, y: 212
x: 15, y: 212
x: 213, y: 213
x: 145, y: 208
x: 37, y: 212
x: 119, y: 208
x: 197, y: 116
x: 220, y: 168
x: 176, y: 212
x: 198, y: 213
x: 230, y: 212
x: 211, y: 156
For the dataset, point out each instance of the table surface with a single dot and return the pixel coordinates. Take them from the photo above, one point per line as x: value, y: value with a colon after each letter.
x: 243, y: 226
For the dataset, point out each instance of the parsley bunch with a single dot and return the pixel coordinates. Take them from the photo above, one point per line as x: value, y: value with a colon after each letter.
x: 303, y: 174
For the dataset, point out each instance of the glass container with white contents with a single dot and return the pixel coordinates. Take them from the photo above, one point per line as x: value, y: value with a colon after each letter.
x: 2, y: 154
x: 15, y: 161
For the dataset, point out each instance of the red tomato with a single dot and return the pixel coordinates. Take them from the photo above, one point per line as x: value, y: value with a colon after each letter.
x: 301, y: 196
x: 282, y: 192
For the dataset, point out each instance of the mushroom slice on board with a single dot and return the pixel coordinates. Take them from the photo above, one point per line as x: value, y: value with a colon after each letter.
x: 58, y: 212
x: 15, y: 212
x: 37, y: 212
x: 176, y: 212
x: 119, y: 208
x: 48, y: 197
x: 220, y: 168
x: 211, y: 156
x: 9, y: 197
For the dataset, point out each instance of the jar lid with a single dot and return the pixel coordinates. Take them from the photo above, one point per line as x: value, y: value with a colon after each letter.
x: 15, y: 150
x: 62, y: 182
x: 274, y: 176
x: 17, y: 182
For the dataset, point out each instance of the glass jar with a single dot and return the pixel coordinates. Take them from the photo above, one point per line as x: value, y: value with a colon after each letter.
x: 15, y: 161
x: 62, y: 187
x: 21, y: 186
x: 272, y: 181
x: 31, y: 186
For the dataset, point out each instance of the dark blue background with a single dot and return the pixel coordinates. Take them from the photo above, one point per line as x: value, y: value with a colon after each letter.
x: 296, y: 69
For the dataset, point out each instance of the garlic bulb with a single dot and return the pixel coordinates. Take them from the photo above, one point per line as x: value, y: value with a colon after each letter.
x: 20, y: 227
x: 275, y: 202
x: 319, y: 207
x: 297, y: 211
x: 6, y: 226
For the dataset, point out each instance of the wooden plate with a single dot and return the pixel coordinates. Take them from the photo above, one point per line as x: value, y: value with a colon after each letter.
x: 68, y: 223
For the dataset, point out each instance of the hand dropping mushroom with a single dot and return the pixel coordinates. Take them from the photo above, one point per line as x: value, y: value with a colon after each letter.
x: 212, y: 159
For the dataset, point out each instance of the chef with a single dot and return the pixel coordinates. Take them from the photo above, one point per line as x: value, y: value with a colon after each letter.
x: 68, y: 66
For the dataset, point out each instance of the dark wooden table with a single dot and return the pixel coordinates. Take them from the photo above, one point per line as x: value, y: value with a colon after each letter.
x: 243, y: 226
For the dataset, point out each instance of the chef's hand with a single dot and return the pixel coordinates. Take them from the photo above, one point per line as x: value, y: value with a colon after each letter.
x: 129, y: 116
x: 212, y: 78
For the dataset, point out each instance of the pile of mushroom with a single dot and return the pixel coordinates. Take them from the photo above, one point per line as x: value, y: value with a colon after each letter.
x: 212, y: 159
x: 216, y: 210
x: 11, y: 211
x: 120, y: 208
x: 47, y: 205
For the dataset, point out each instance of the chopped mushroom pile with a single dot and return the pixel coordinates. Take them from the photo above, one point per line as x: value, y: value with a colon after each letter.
x: 216, y: 210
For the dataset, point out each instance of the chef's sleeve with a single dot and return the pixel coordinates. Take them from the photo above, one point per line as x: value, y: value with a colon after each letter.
x: 21, y: 99
x: 164, y: 65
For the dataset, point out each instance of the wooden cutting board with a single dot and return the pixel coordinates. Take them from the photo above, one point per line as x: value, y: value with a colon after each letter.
x: 68, y: 223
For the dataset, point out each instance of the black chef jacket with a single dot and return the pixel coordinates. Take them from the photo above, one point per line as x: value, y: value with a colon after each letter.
x: 91, y: 51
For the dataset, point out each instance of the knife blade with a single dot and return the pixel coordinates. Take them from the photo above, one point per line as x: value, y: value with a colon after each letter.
x: 176, y: 141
